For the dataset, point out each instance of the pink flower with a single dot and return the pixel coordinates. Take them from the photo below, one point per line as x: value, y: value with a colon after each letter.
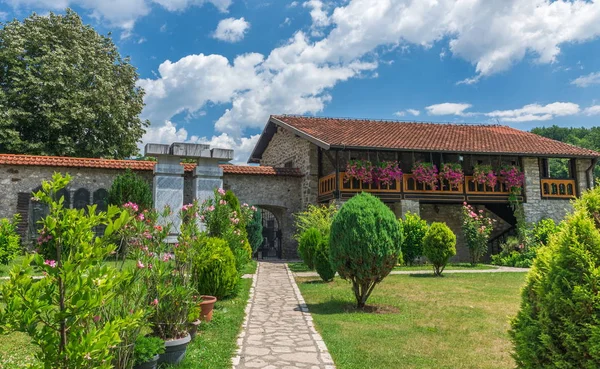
x: 131, y: 205
x: 140, y: 216
x: 211, y: 208
x: 50, y: 263
x: 96, y: 318
x: 167, y: 257
x: 139, y: 264
x: 253, y: 208
x: 202, y: 218
x: 154, y: 302
x: 222, y: 202
x: 149, y: 266
x: 221, y: 191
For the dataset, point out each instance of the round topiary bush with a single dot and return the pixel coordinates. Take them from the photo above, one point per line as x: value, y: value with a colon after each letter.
x: 414, y: 229
x: 214, y: 269
x: 558, y: 325
x: 439, y: 245
x: 321, y: 261
x: 307, y: 246
x: 364, y: 243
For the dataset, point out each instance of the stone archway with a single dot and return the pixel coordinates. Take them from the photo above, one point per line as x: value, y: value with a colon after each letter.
x: 272, y: 233
x: 277, y: 194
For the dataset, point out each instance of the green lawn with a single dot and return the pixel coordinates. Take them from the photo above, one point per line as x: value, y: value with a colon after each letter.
x: 298, y: 267
x: 456, y: 321
x: 215, y: 343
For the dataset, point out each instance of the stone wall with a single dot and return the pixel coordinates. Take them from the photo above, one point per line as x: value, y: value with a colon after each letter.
x: 286, y: 147
x: 537, y: 208
x: 279, y: 195
x: 583, y: 178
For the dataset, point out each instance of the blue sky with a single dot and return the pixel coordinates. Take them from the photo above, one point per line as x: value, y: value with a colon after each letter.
x: 215, y: 69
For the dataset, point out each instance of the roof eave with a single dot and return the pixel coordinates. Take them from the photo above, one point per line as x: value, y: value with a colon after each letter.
x: 344, y: 147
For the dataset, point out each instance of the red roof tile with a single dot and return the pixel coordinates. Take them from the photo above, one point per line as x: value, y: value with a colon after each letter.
x: 460, y: 138
x: 60, y: 161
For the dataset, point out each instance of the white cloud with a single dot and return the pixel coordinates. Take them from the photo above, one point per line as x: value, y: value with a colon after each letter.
x: 448, y: 109
x: 167, y: 133
x: 119, y: 13
x: 535, y: 112
x: 163, y: 28
x: 231, y: 29
x: 587, y: 80
x: 293, y: 4
x: 592, y: 110
x: 402, y: 113
x: 319, y: 16
x: 286, y: 22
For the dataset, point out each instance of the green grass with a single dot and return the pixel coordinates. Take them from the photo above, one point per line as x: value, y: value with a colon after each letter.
x: 299, y: 267
x: 250, y: 268
x: 16, y: 351
x: 451, y: 266
x: 456, y: 321
x: 216, y: 343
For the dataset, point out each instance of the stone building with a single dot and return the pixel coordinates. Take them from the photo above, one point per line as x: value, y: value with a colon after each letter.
x: 302, y: 160
x: 322, y: 147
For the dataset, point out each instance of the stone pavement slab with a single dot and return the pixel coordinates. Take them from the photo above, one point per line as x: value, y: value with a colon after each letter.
x: 278, y: 331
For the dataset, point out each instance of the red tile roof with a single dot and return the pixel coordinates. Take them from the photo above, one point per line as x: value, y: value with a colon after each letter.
x: 60, y: 161
x: 459, y: 138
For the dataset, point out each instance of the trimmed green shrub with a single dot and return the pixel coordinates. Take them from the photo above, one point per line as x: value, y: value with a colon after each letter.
x: 364, y: 243
x: 543, y: 230
x: 146, y: 347
x: 217, y: 276
x: 254, y: 230
x: 129, y: 187
x: 307, y: 246
x: 321, y: 261
x: 558, y: 325
x: 414, y: 229
x: 10, y: 241
x: 232, y: 201
x: 439, y: 245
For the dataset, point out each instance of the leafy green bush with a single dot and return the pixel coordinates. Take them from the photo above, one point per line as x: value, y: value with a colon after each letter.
x: 254, y: 230
x: 315, y: 216
x: 62, y: 312
x: 129, y: 187
x: 9, y: 239
x: 439, y: 245
x: 414, y: 229
x: 477, y: 228
x: 146, y: 348
x: 307, y: 246
x: 322, y: 263
x: 543, y: 230
x: 217, y: 276
x: 364, y: 243
x: 558, y: 325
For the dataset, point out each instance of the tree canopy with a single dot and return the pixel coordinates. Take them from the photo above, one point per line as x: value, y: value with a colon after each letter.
x: 65, y: 90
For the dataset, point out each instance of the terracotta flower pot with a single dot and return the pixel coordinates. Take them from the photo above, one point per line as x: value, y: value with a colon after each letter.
x: 206, y: 307
x: 193, y: 328
x: 174, y: 350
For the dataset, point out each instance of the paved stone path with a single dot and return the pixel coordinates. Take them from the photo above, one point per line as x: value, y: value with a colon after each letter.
x: 278, y: 330
x: 499, y: 269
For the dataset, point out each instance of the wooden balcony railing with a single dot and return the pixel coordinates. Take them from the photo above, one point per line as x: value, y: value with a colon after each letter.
x: 412, y: 186
x: 558, y: 188
x: 551, y: 188
x: 474, y: 188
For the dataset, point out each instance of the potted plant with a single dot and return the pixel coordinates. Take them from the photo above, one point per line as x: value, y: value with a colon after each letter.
x: 361, y: 170
x: 484, y: 174
x: 386, y: 172
x: 426, y: 173
x: 453, y: 173
x: 168, y: 280
x: 194, y: 319
x: 147, y: 351
x: 513, y: 178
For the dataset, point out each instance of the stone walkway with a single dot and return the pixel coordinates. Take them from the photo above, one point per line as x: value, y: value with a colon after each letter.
x: 499, y: 269
x: 278, y: 331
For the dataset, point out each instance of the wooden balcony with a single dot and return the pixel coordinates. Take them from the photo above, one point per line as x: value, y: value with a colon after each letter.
x: 409, y: 188
x: 554, y: 188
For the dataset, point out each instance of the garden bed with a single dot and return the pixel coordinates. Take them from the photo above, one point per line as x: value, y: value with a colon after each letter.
x: 456, y: 321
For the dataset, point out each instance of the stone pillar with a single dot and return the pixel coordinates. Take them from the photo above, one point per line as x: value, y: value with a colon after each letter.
x: 208, y: 176
x: 533, y: 191
x: 581, y: 166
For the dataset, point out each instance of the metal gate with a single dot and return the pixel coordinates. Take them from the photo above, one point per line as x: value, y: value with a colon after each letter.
x: 271, y: 246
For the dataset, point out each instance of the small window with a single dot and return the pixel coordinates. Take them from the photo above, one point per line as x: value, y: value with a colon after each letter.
x: 288, y: 164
